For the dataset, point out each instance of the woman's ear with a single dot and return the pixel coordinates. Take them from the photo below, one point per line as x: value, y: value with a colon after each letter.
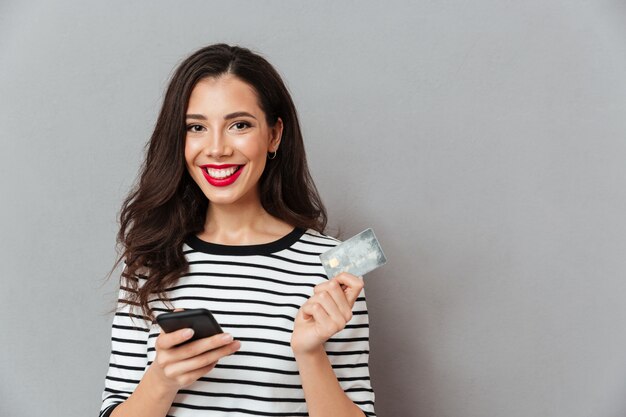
x: 276, y: 135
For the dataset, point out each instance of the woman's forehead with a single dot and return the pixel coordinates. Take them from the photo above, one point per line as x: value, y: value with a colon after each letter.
x: 223, y: 94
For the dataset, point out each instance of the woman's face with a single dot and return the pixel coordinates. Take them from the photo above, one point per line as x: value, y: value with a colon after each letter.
x: 227, y: 140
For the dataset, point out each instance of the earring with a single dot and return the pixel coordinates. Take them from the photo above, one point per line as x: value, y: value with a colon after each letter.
x: 273, y: 156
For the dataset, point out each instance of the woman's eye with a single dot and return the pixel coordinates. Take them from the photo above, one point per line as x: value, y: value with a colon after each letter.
x: 241, y: 125
x: 194, y: 128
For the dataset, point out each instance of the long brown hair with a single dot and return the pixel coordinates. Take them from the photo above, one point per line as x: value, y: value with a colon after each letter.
x: 166, y: 205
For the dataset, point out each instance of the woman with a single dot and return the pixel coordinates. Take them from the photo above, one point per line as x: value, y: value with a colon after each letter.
x: 225, y: 216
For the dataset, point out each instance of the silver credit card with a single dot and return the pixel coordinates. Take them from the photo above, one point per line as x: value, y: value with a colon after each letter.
x: 358, y: 255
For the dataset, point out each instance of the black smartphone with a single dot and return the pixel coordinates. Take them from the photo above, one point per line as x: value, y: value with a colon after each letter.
x: 199, y: 319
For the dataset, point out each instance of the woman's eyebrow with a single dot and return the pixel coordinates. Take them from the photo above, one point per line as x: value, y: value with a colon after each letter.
x: 228, y: 116
x: 238, y: 114
x: 196, y: 116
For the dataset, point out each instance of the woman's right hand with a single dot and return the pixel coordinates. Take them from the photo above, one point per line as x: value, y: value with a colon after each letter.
x: 179, y: 366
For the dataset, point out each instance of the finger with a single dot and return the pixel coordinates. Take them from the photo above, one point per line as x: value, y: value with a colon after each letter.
x: 204, y: 360
x: 323, y: 321
x: 200, y: 346
x: 331, y: 308
x: 193, y: 376
x: 353, y: 286
x: 326, y: 286
x: 339, y: 296
x: 169, y: 340
x: 322, y: 287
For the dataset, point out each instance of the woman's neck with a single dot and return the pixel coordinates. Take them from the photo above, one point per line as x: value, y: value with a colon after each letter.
x: 242, y: 224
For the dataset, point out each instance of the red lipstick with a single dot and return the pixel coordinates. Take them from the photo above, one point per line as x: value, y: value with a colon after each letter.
x: 221, y: 182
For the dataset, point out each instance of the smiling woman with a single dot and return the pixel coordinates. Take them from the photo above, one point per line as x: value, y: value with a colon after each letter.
x: 225, y: 147
x: 225, y: 217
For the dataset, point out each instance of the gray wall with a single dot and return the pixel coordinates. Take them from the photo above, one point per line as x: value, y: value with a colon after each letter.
x: 484, y: 141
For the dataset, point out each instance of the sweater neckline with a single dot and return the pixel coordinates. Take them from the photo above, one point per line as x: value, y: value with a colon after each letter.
x: 241, y: 250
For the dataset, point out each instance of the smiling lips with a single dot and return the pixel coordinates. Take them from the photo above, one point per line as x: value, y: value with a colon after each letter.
x: 221, y: 175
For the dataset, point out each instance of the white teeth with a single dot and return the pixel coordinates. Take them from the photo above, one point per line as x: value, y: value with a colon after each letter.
x: 221, y: 173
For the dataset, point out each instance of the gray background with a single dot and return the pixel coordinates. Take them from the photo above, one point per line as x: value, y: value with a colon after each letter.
x: 482, y: 140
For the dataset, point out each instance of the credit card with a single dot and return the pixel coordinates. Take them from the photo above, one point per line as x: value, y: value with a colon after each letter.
x: 358, y: 255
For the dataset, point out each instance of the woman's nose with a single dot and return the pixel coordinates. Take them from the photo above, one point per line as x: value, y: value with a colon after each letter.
x: 217, y: 145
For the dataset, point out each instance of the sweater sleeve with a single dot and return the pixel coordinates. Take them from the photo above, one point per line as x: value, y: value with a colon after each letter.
x: 348, y: 352
x: 128, y: 360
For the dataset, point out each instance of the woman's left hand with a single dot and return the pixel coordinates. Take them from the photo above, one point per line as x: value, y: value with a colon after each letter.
x: 325, y: 313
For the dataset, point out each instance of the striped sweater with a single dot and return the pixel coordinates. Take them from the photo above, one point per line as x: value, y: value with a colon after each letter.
x: 254, y: 292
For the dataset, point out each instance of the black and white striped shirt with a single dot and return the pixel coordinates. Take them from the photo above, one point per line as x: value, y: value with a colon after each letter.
x: 254, y: 292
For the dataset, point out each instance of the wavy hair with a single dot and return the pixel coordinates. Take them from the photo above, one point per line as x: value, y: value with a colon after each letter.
x: 166, y: 205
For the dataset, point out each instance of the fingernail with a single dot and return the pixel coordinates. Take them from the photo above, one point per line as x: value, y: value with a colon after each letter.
x: 188, y: 332
x: 227, y: 337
